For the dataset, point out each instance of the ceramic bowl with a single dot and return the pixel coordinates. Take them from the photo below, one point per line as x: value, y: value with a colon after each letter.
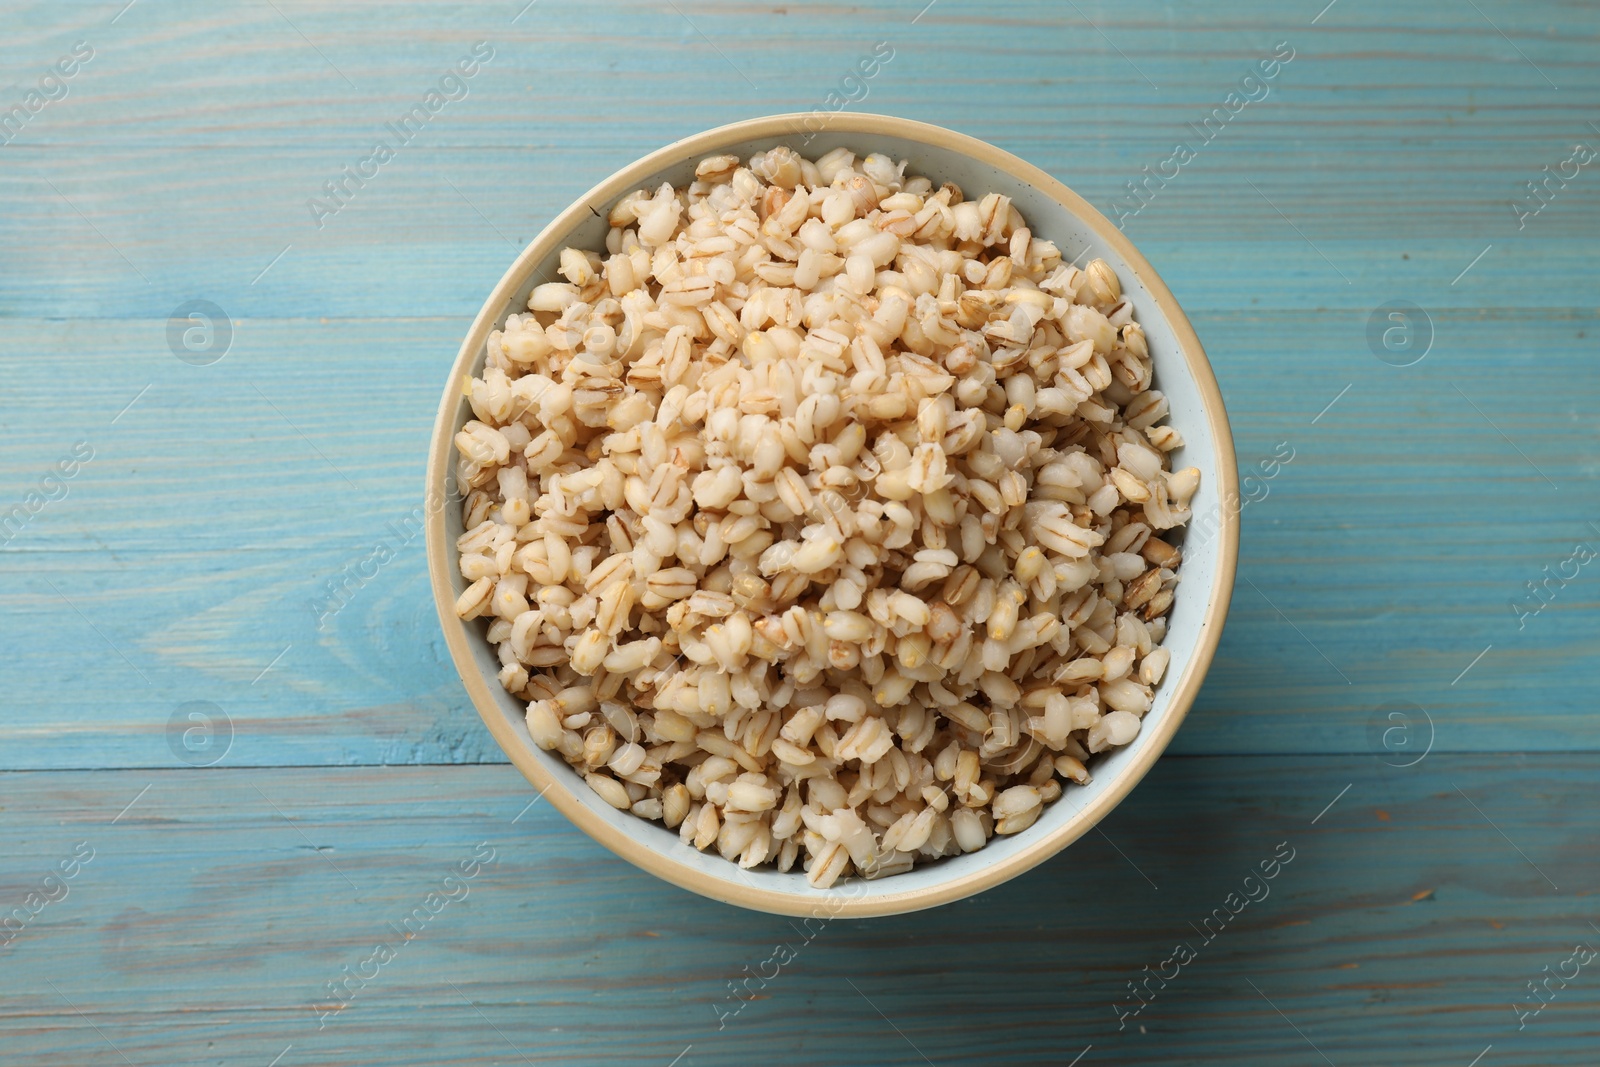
x: 1210, y: 546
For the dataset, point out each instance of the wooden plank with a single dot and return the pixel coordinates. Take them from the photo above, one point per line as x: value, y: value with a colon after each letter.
x: 205, y: 121
x: 118, y: 241
x: 1395, y: 541
x: 219, y: 905
x: 313, y: 70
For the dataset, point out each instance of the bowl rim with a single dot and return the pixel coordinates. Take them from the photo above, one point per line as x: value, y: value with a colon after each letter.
x: 661, y: 865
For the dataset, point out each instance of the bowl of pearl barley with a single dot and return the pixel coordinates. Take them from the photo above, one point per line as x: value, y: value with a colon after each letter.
x: 832, y: 521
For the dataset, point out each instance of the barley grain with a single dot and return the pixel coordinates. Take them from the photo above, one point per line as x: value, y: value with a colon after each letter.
x: 815, y: 500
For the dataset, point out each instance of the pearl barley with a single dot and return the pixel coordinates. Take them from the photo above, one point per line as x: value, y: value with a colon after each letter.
x: 821, y: 514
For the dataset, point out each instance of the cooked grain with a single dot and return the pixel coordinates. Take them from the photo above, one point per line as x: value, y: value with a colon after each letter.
x: 821, y: 516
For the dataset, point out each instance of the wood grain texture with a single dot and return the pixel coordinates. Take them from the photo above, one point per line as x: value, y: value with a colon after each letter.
x: 1395, y: 542
x: 179, y: 568
x: 216, y: 910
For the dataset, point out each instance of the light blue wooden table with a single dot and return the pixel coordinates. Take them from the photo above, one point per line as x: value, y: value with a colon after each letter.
x: 212, y: 803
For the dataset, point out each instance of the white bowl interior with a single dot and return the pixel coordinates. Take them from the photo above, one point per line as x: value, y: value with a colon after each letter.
x: 1047, y: 219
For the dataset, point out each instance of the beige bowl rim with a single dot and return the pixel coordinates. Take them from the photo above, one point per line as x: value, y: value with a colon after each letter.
x: 556, y: 791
